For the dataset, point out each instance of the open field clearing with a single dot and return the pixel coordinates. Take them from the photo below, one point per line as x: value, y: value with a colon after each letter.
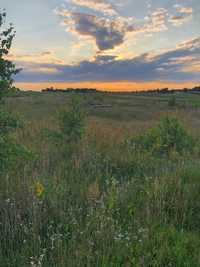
x: 102, y: 180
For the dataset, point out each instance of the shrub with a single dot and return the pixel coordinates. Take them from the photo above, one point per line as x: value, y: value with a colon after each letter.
x: 10, y: 151
x: 66, y: 139
x: 8, y: 123
x: 72, y: 121
x: 167, y: 137
x: 172, y: 101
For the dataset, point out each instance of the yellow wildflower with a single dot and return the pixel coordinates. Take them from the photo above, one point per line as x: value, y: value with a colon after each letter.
x: 39, y: 189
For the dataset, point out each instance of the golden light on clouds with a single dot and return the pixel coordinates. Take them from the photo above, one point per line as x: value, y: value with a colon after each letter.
x: 45, y: 57
x: 192, y: 68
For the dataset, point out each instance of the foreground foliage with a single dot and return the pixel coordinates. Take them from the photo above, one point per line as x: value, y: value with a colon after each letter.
x: 103, y: 205
x: 169, y: 136
x: 10, y: 151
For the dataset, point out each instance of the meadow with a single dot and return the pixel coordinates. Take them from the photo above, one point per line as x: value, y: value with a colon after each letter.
x: 101, y: 180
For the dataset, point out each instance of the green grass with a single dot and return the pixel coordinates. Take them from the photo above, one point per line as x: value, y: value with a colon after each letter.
x: 100, y: 201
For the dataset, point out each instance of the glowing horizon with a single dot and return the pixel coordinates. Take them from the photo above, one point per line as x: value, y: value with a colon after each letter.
x: 125, y: 86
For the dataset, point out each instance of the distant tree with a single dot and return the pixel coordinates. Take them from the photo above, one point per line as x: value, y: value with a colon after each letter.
x: 7, y: 67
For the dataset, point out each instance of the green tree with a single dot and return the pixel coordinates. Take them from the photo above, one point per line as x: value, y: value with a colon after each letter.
x: 10, y: 151
x: 7, y: 67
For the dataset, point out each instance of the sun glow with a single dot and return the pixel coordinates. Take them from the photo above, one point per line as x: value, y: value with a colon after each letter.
x: 114, y: 86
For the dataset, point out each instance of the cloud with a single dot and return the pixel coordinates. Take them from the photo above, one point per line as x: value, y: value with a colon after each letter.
x: 191, y: 44
x: 97, y: 5
x: 106, y: 32
x: 192, y: 68
x: 179, y: 64
x: 98, y: 21
x: 156, y: 21
x: 185, y: 10
x: 183, y: 15
x: 180, y: 19
x: 44, y: 57
x: 38, y: 69
x: 104, y: 58
x: 46, y: 53
x: 109, y: 32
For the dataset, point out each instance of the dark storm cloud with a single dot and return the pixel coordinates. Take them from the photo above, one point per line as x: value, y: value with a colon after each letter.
x: 170, y: 66
x: 107, y: 32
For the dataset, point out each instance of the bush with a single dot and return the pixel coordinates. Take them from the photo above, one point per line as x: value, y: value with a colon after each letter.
x: 8, y: 123
x: 72, y: 121
x: 10, y: 151
x: 172, y: 101
x: 65, y: 140
x: 167, y: 137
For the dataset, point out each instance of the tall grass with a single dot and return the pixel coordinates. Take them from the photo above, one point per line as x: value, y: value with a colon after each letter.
x: 88, y: 196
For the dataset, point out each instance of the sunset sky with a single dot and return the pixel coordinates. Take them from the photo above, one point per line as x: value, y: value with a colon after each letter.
x: 107, y: 44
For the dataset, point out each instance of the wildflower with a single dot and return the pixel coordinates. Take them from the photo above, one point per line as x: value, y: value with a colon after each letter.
x: 39, y: 189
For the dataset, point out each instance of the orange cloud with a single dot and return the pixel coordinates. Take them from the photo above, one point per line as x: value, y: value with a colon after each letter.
x: 192, y: 68
x: 45, y: 57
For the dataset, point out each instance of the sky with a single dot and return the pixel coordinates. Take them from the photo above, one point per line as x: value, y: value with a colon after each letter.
x: 108, y: 44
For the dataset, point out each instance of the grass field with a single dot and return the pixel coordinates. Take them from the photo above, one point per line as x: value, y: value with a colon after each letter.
x: 116, y: 195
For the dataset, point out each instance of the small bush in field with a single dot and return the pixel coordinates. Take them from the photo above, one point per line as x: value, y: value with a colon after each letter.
x: 71, y: 127
x: 10, y: 151
x: 8, y: 123
x: 72, y: 121
x: 172, y: 101
x: 168, y: 136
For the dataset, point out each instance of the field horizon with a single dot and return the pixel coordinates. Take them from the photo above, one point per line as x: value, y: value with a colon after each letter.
x: 110, y: 87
